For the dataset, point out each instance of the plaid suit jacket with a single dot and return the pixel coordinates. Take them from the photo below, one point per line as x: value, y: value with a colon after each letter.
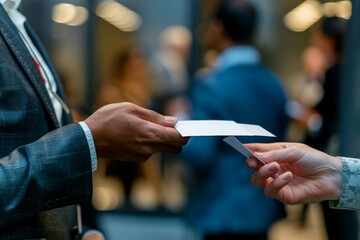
x: 44, y: 169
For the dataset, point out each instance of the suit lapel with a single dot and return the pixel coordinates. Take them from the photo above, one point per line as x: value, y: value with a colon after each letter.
x: 9, y: 32
x: 40, y: 48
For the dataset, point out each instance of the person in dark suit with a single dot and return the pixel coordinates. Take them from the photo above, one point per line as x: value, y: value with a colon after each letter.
x: 46, y: 162
x: 222, y: 203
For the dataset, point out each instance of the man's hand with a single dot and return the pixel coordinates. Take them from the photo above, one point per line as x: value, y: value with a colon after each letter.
x: 305, y: 175
x: 124, y: 131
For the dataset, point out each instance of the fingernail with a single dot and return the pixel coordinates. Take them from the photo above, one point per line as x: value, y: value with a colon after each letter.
x: 273, y: 168
x: 252, y: 163
x: 286, y: 176
x: 170, y: 119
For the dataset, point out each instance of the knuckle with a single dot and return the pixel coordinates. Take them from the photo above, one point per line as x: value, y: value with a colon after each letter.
x: 129, y: 107
x: 152, y: 135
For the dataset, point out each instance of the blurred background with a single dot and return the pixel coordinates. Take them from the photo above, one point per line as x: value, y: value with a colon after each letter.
x: 116, y: 50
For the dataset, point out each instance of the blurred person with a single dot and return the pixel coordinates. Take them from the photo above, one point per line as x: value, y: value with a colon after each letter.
x: 170, y: 79
x: 170, y: 85
x: 46, y: 162
x: 328, y: 38
x: 314, y: 65
x: 309, y: 91
x: 223, y: 204
x: 128, y: 80
x: 296, y: 173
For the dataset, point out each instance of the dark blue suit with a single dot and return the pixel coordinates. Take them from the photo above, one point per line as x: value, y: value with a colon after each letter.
x: 42, y: 167
x: 222, y: 198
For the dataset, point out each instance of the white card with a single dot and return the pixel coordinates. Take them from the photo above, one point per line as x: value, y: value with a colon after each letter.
x: 235, y: 143
x: 219, y: 128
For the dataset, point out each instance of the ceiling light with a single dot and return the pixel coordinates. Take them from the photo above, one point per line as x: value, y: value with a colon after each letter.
x: 344, y: 9
x: 118, y: 15
x: 69, y: 14
x: 303, y: 16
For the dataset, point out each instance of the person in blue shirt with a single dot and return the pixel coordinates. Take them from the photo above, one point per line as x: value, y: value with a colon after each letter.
x: 223, y: 204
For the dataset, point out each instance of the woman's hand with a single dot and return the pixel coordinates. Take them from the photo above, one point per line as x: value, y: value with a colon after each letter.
x: 296, y: 173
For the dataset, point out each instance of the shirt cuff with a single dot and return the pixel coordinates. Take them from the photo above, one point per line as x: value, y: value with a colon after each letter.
x: 350, y: 189
x: 91, y: 144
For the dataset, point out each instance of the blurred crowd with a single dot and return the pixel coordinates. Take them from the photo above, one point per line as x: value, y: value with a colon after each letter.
x: 208, y: 184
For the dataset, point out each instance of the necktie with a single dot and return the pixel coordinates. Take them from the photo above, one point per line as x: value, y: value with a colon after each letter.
x: 39, y: 69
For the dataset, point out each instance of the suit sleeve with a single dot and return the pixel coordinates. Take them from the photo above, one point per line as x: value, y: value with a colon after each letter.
x: 52, y: 172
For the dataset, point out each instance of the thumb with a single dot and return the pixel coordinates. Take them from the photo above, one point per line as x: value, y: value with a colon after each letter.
x: 169, y: 121
x: 157, y: 118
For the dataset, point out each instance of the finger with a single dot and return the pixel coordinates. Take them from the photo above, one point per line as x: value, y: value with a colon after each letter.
x: 152, y: 116
x: 169, y: 121
x: 269, y: 170
x: 253, y: 164
x: 282, y: 155
x: 157, y: 147
x: 265, y: 147
x: 273, y: 188
x: 265, y: 173
x: 259, y: 181
x: 168, y: 136
x: 166, y: 121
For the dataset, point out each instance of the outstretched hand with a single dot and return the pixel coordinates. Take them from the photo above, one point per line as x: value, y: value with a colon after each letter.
x: 125, y: 131
x: 304, y: 174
